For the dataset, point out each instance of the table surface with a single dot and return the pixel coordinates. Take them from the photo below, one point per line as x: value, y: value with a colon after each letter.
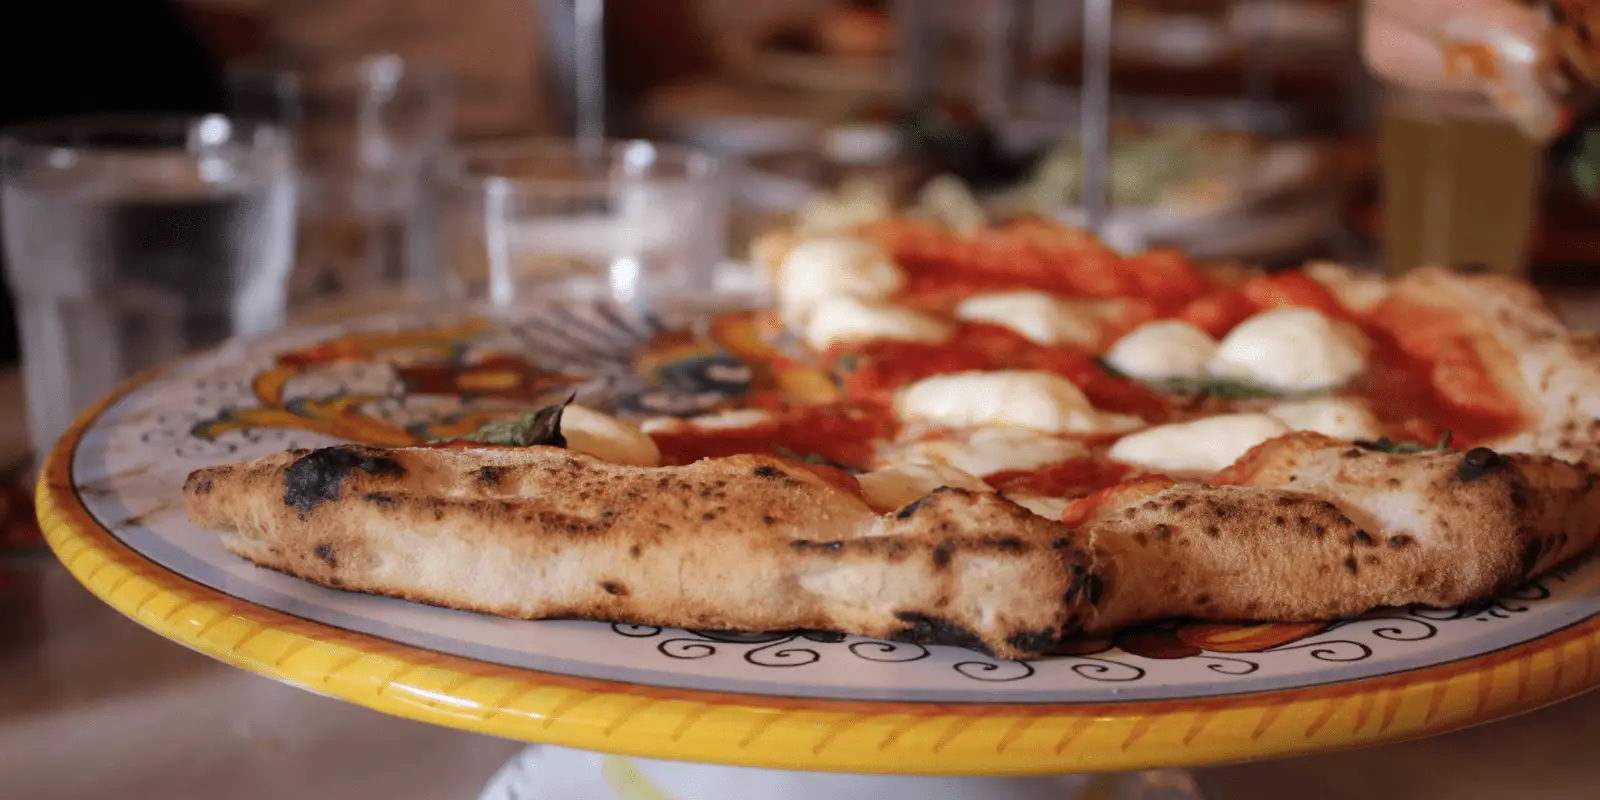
x: 147, y: 718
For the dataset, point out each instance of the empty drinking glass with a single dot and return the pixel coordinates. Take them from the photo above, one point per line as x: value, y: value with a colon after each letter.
x: 635, y: 221
x: 131, y: 240
x: 366, y: 134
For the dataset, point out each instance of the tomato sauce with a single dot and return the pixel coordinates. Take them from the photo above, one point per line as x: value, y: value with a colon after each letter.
x: 842, y: 433
x: 1070, y: 479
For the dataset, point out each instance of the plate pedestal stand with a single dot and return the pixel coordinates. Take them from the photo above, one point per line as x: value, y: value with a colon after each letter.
x: 540, y: 771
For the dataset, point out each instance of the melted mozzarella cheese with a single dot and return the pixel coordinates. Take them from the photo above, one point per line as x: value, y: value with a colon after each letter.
x: 1292, y: 350
x: 1162, y: 350
x: 607, y: 438
x: 893, y: 486
x: 1201, y: 447
x: 836, y: 320
x: 1339, y: 417
x: 730, y: 419
x: 834, y: 266
x: 1036, y: 316
x: 1047, y: 507
x: 987, y: 451
x: 1040, y: 401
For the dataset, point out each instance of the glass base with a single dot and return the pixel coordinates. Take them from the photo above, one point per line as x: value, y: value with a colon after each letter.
x: 540, y: 771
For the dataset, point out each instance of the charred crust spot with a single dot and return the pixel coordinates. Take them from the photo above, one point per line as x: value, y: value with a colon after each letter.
x: 1518, y: 495
x: 910, y: 509
x: 1005, y: 544
x: 633, y: 551
x: 490, y: 476
x: 923, y: 629
x: 1319, y: 531
x: 708, y: 516
x: 1400, y: 541
x: 1327, y: 506
x: 1363, y: 537
x: 1076, y: 576
x: 1150, y: 505
x: 1202, y: 600
x: 663, y: 482
x: 1162, y: 531
x: 767, y: 472
x: 1350, y: 565
x: 1392, y: 483
x: 1279, y: 520
x: 1213, y: 531
x: 1179, y: 504
x: 317, y: 477
x: 820, y: 547
x: 1036, y: 642
x: 1093, y: 587
x: 1139, y: 538
x: 1531, y: 552
x: 941, y: 555
x: 1354, y: 452
x: 1221, y: 509
x: 768, y: 519
x: 614, y: 589
x: 325, y: 553
x: 1477, y: 463
x: 198, y: 485
x: 1285, y: 501
x: 1060, y: 543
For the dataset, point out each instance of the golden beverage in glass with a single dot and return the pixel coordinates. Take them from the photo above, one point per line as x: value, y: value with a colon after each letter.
x: 1460, y: 183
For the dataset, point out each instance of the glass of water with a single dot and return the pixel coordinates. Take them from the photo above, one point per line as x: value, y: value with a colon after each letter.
x: 131, y: 240
x: 635, y: 221
x: 366, y: 133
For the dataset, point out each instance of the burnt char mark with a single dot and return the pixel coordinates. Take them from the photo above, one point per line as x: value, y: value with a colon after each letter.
x: 318, y: 476
x: 325, y: 552
x: 199, y: 485
x: 1350, y: 565
x: 941, y: 554
x: 380, y: 499
x: 923, y: 629
x: 1036, y: 642
x: 1399, y: 541
x: 1531, y: 553
x: 1477, y: 463
x: 1362, y: 537
x: 768, y: 472
x: 614, y: 589
x: 818, y: 547
x: 489, y: 476
x: 910, y: 509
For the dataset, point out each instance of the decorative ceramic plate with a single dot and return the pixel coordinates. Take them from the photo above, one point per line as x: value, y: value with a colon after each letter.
x: 1179, y: 693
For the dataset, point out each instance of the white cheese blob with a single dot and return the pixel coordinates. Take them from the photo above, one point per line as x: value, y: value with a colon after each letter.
x: 1036, y: 316
x: 1201, y: 447
x: 1040, y: 401
x: 1162, y: 350
x: 833, y: 266
x: 1047, y: 507
x: 893, y: 486
x: 1291, y: 350
x: 729, y: 419
x: 1339, y: 417
x: 607, y: 438
x: 836, y: 320
x: 986, y: 451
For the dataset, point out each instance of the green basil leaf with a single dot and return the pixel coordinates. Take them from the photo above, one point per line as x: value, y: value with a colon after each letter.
x: 541, y: 427
x: 1387, y: 445
x: 1225, y: 388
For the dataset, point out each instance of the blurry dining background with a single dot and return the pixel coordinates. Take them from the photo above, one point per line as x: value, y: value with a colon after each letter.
x: 308, y: 159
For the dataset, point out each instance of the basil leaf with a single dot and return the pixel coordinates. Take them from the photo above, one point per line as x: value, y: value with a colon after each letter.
x: 1225, y: 388
x: 1386, y: 445
x: 847, y: 362
x: 542, y: 427
x: 784, y: 452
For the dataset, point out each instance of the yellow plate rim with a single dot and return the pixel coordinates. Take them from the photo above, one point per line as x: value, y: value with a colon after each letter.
x: 794, y: 733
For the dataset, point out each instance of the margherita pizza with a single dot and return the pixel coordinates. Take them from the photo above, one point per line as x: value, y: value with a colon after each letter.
x: 1026, y: 437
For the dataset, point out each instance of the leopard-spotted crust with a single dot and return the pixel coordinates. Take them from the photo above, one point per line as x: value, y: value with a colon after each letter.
x: 745, y: 543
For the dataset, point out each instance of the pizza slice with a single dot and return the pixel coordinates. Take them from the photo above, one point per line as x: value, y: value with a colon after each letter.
x: 1031, y: 438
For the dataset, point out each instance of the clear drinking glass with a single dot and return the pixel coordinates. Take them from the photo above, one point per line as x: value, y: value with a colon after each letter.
x: 636, y: 221
x: 131, y: 240
x: 367, y: 133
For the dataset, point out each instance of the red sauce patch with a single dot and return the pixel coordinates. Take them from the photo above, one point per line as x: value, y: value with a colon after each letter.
x: 842, y: 433
x: 1070, y: 479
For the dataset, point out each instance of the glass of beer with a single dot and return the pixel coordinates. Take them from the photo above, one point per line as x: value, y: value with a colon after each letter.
x: 1460, y: 182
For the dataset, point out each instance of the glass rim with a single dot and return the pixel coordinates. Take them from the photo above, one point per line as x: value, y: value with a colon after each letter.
x: 77, y: 132
x: 453, y: 167
x: 357, y: 74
